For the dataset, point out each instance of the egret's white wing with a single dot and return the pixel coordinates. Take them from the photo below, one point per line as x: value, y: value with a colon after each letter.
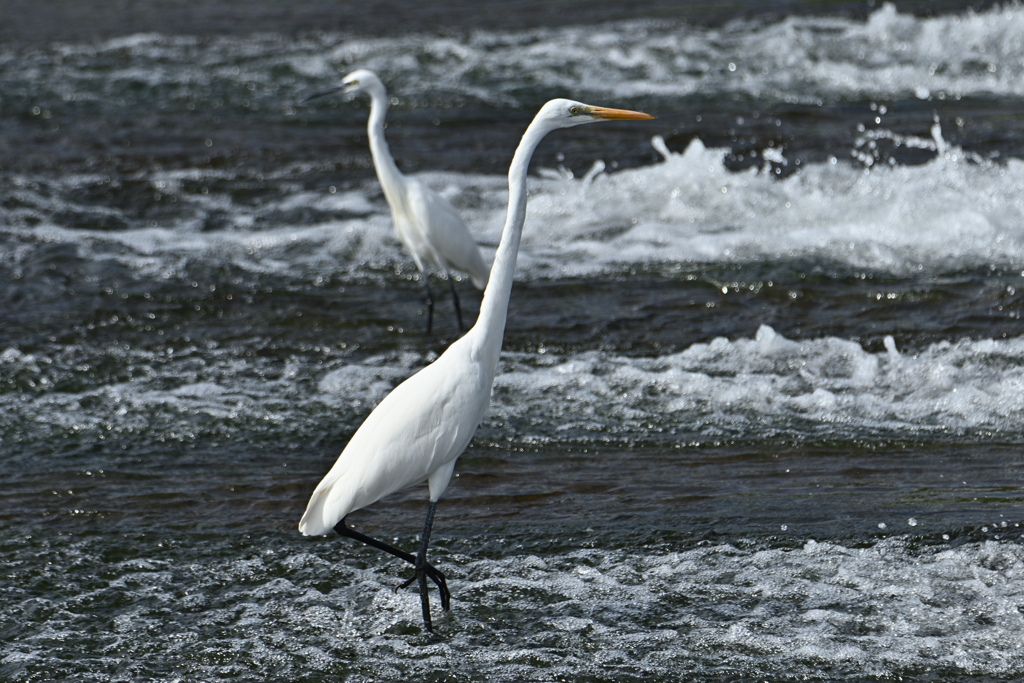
x: 422, y: 425
x: 445, y: 232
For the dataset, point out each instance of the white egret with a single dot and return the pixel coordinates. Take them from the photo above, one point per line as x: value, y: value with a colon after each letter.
x: 426, y: 222
x: 420, y: 428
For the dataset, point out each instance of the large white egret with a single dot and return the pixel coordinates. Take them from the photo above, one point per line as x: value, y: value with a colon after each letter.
x: 426, y: 222
x: 420, y: 428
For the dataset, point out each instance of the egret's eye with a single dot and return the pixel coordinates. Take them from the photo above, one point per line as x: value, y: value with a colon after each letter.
x: 574, y: 111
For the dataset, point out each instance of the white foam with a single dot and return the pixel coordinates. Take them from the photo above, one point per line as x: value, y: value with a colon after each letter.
x: 364, y: 385
x: 768, y: 386
x: 880, y: 610
x: 957, y: 211
x: 798, y: 59
x: 948, y: 214
x: 801, y: 59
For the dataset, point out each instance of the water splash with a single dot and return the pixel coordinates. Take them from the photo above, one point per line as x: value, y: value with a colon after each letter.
x: 890, y: 608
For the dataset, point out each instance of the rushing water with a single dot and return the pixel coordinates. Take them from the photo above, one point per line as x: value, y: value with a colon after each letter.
x: 759, y: 412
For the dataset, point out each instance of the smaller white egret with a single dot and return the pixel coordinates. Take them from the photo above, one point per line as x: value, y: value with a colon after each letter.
x: 425, y: 423
x: 426, y: 222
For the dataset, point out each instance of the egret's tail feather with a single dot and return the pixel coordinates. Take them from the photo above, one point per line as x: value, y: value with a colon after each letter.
x: 312, y: 522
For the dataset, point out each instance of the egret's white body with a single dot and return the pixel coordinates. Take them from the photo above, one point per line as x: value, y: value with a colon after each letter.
x: 426, y: 222
x: 415, y: 434
x: 420, y: 429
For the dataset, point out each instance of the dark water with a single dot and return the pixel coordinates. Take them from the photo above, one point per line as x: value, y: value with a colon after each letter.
x: 758, y: 411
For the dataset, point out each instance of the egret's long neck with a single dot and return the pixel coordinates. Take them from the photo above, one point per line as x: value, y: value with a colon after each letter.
x: 490, y: 325
x: 387, y: 172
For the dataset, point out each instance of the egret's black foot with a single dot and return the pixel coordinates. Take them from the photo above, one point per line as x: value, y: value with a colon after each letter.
x: 424, y: 569
x: 439, y: 580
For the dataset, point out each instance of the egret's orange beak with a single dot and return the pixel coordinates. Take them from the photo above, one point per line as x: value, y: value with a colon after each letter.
x: 612, y: 114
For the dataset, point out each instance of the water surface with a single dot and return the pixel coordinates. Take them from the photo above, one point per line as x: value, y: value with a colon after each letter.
x: 758, y: 411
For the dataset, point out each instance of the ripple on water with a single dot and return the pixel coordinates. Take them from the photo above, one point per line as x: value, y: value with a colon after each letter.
x: 285, y: 607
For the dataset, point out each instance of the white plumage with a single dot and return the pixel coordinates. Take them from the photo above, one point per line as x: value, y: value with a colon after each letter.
x: 426, y: 222
x: 415, y: 434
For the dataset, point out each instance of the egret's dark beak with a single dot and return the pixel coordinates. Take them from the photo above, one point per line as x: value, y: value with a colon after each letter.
x: 323, y: 92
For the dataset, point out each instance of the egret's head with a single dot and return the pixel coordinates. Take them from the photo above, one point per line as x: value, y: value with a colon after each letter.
x: 567, y: 113
x: 360, y: 80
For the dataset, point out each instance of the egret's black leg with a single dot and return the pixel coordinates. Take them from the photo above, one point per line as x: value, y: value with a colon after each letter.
x: 455, y: 298
x: 430, y: 303
x: 436, y: 576
x: 421, y: 565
